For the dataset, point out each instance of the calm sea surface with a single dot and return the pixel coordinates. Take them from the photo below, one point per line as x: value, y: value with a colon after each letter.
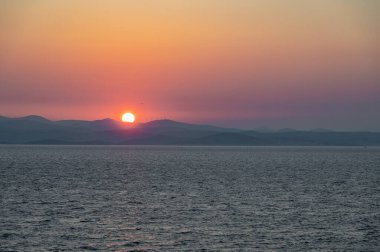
x: 131, y: 198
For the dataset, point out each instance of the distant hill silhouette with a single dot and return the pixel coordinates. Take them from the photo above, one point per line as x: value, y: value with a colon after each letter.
x: 38, y: 130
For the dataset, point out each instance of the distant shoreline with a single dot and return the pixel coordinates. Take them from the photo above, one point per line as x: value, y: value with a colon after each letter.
x: 36, y: 130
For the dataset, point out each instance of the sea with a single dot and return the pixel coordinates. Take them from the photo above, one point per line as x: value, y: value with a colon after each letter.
x: 177, y: 198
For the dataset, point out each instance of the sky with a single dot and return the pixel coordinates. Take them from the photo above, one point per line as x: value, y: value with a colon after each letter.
x: 236, y: 63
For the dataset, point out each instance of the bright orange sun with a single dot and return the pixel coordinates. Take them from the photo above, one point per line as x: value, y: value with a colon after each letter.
x: 128, y: 118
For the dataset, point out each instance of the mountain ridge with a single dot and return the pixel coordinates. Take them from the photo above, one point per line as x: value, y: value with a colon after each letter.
x: 35, y: 129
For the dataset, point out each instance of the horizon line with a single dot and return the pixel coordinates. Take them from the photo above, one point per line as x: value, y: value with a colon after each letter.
x: 261, y: 129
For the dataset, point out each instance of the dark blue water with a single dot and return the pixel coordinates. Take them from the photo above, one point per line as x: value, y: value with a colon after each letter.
x: 78, y: 198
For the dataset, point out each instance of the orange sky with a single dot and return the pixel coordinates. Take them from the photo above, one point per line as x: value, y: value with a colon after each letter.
x: 240, y: 63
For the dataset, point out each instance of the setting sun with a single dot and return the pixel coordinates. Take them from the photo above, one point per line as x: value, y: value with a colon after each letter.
x: 128, y: 118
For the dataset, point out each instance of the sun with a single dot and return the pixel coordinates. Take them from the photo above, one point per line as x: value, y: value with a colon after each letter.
x: 128, y: 118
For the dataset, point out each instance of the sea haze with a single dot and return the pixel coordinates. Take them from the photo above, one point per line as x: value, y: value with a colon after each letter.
x: 146, y: 198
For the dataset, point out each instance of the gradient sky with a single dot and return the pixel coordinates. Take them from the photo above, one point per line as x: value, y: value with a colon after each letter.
x: 241, y: 63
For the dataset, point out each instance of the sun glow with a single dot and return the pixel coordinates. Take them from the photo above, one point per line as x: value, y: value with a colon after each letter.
x: 128, y: 118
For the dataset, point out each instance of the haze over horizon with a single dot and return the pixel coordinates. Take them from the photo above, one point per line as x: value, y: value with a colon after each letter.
x: 241, y: 63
